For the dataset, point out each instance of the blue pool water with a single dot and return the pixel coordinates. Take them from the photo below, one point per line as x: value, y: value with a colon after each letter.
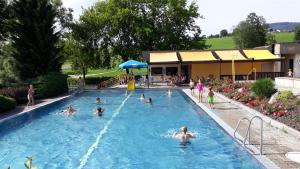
x: 130, y: 135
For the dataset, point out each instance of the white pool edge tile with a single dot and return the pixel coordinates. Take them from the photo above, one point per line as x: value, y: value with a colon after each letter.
x: 265, y: 161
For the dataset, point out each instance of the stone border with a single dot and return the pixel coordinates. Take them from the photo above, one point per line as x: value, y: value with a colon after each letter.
x: 262, y: 159
x: 265, y: 118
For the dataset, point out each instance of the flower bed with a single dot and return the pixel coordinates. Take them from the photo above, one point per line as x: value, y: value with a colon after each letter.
x: 285, y: 107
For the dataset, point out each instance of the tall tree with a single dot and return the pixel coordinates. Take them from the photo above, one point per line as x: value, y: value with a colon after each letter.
x: 131, y: 26
x: 223, y: 33
x: 251, y: 32
x: 3, y: 19
x: 297, y: 34
x: 34, y: 36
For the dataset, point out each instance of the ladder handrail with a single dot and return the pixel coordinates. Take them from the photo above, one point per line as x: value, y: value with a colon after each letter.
x: 261, y: 132
x: 238, y: 125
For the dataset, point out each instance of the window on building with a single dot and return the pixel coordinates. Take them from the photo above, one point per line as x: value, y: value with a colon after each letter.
x: 171, y: 71
x: 156, y: 70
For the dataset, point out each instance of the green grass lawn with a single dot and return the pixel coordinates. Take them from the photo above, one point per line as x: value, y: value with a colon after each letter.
x: 66, y: 69
x: 227, y: 42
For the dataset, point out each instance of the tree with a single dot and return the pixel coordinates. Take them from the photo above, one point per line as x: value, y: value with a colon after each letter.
x: 35, y: 36
x: 131, y: 26
x: 270, y: 39
x: 223, y: 33
x: 79, y: 57
x: 251, y: 32
x: 3, y: 19
x: 297, y: 34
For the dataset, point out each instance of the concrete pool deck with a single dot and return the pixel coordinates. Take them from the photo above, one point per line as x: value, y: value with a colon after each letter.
x: 277, y: 142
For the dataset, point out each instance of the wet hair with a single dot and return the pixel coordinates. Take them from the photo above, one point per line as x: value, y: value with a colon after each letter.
x: 99, y: 109
x: 150, y: 100
x: 97, y: 98
x: 184, y: 129
x: 210, y: 88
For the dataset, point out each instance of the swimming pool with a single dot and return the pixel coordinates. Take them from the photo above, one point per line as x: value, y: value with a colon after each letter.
x: 131, y: 134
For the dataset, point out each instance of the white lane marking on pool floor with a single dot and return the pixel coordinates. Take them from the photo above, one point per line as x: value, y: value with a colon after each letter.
x: 86, y: 157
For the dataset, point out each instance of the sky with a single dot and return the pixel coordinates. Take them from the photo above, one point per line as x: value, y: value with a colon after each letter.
x: 225, y: 14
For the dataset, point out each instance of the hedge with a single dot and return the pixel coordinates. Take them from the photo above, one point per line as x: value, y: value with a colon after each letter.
x: 88, y: 80
x: 7, y: 103
x: 50, y: 85
x: 17, y: 93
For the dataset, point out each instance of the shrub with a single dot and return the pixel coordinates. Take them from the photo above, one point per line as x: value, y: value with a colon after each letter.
x: 18, y: 93
x: 263, y: 88
x: 7, y: 103
x: 50, y: 85
x: 285, y: 95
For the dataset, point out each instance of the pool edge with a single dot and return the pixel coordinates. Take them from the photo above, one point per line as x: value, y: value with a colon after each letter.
x: 262, y: 159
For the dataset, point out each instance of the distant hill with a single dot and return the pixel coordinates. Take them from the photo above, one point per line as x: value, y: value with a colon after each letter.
x: 227, y: 42
x: 283, y: 26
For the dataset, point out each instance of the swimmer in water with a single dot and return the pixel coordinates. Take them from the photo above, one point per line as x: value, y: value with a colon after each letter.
x: 126, y: 92
x: 97, y: 100
x: 99, y: 112
x: 142, y: 97
x: 169, y: 92
x: 184, y: 136
x: 70, y: 111
x: 149, y: 100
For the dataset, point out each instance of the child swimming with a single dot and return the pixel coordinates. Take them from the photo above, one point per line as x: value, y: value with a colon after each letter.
x: 99, y: 111
x: 97, y: 100
x: 142, y: 96
x: 70, y: 111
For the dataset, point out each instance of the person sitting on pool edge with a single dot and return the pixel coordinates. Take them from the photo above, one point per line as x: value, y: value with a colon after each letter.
x: 99, y: 111
x: 97, y: 100
x: 184, y: 136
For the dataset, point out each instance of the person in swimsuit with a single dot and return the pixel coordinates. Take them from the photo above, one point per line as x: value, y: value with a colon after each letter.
x: 169, y: 92
x: 149, y: 100
x: 184, y: 136
x: 200, y: 88
x: 70, y: 111
x: 30, y: 96
x: 210, y: 98
x: 97, y: 100
x: 99, y: 112
x: 142, y: 96
x: 192, y: 86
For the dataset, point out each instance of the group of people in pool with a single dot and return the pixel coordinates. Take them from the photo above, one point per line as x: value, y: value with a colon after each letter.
x: 70, y: 111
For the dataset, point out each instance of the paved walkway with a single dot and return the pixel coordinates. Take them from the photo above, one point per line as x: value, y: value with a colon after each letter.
x: 276, y: 142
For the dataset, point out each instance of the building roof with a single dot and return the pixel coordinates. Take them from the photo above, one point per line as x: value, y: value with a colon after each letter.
x: 199, y: 56
x: 187, y: 56
x: 163, y: 57
x: 230, y: 55
x: 260, y: 55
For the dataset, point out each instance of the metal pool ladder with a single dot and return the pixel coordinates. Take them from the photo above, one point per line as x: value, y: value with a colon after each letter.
x: 247, y: 136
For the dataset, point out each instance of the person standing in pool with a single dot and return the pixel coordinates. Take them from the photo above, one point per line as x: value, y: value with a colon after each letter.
x: 184, y: 136
x: 210, y: 98
x: 142, y: 96
x: 200, y: 88
x: 99, y: 112
x: 97, y: 100
x: 70, y: 111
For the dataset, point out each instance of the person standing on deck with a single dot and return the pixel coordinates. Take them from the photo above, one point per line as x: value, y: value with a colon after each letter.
x: 30, y: 96
x: 200, y: 88
x: 192, y: 86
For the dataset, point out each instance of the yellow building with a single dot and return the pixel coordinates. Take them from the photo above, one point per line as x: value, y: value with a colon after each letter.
x: 250, y: 63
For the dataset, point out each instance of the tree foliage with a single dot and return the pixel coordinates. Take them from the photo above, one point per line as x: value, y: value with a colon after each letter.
x: 251, y: 32
x: 3, y: 19
x: 297, y: 34
x: 223, y: 33
x: 34, y: 36
x: 131, y: 26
